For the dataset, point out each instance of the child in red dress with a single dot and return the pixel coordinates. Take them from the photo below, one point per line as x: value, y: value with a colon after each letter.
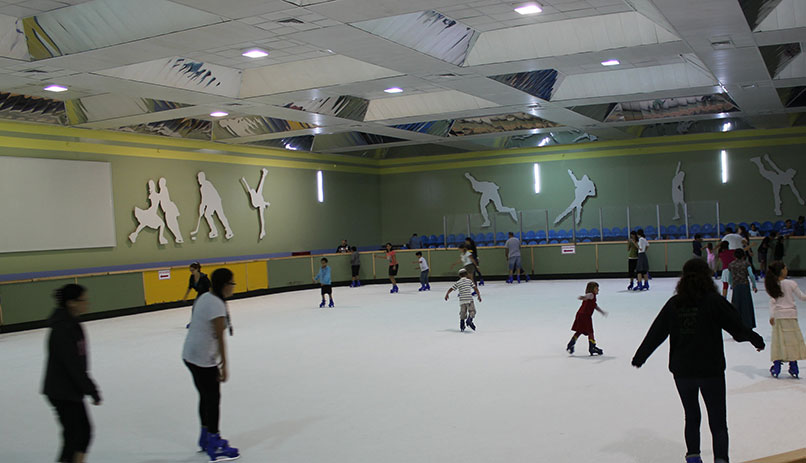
x: 583, y: 323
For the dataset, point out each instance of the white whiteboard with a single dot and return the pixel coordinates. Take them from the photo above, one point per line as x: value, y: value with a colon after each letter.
x: 48, y: 204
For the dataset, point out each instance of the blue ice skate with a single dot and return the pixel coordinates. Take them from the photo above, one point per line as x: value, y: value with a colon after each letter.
x: 509, y: 280
x: 646, y: 285
x: 629, y: 288
x: 527, y: 277
x: 462, y: 325
x: 470, y: 324
x: 693, y: 459
x: 775, y: 369
x: 357, y: 283
x: 519, y: 278
x: 428, y: 286
x: 203, y: 438
x: 218, y: 449
x: 793, y: 369
x: 331, y: 305
x: 422, y: 288
x: 322, y: 304
x: 393, y: 290
x: 570, y: 346
x: 481, y: 282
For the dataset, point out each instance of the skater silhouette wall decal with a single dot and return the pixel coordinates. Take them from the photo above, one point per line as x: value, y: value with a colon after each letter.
x: 210, y: 204
x: 582, y: 189
x: 678, y: 195
x: 149, y: 218
x: 256, y: 197
x: 489, y: 192
x: 778, y: 178
x: 169, y: 210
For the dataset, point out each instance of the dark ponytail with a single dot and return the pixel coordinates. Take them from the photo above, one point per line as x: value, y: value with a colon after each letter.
x: 220, y: 278
x: 771, y: 283
x: 69, y: 292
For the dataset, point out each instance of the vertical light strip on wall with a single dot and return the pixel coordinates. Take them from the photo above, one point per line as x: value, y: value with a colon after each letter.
x: 319, y: 187
x: 537, y: 178
x: 724, y: 157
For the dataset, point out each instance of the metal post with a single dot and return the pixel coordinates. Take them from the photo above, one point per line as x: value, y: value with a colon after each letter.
x: 445, y: 231
x: 628, y: 222
x: 520, y: 217
x: 547, y: 226
x: 685, y: 211
x: 468, y: 224
x: 657, y: 213
x: 718, y: 231
x: 574, y: 230
x: 495, y: 231
x: 601, y: 226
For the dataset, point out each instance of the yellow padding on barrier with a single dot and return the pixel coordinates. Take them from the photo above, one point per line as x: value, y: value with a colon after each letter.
x: 796, y: 456
x: 173, y: 288
x: 257, y: 275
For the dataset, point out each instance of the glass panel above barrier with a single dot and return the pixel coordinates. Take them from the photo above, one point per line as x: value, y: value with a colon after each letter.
x: 702, y: 218
x: 645, y: 217
x: 534, y: 226
x: 455, y: 229
x: 614, y: 223
x: 482, y: 235
x: 672, y: 222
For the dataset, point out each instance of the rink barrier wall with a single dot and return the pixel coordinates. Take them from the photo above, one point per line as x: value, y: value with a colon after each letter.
x: 27, y: 303
x: 795, y: 456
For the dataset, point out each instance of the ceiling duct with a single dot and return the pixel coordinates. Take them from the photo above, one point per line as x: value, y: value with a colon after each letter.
x: 436, y: 128
x: 756, y: 10
x: 792, y: 97
x: 661, y: 108
x: 428, y: 32
x: 32, y: 109
x: 777, y: 57
x: 345, y: 107
x: 350, y: 139
x: 250, y: 126
x: 598, y: 112
x: 541, y: 84
x: 303, y: 143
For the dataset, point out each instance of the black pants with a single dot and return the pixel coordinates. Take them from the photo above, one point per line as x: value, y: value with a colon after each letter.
x: 206, y: 381
x: 631, y: 263
x: 713, y: 393
x: 424, y: 277
x: 76, y: 428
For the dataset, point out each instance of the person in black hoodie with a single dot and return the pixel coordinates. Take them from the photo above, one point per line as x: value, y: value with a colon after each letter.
x: 693, y: 320
x: 66, y: 378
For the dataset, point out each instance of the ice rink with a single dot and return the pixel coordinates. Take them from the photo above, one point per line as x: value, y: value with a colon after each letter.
x: 390, y: 378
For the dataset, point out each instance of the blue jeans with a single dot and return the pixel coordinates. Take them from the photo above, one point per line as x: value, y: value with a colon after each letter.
x: 424, y: 277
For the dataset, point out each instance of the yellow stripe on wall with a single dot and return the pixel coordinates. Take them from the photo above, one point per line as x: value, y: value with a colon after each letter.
x: 171, y: 290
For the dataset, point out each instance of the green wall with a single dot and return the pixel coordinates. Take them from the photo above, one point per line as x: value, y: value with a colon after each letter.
x: 295, y: 220
x: 417, y: 201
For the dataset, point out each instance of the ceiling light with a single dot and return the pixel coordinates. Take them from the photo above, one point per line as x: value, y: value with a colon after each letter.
x: 393, y: 90
x: 726, y: 126
x: 611, y: 62
x: 529, y: 8
x: 56, y: 88
x: 255, y: 53
x: 219, y: 114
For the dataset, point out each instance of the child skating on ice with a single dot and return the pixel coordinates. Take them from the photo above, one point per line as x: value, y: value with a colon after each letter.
x: 323, y: 277
x: 423, y: 265
x: 355, y: 267
x: 393, y: 266
x: 583, y: 323
x: 787, y: 339
x: 467, y: 310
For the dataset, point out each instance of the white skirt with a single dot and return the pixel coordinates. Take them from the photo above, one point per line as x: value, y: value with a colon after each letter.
x: 787, y: 341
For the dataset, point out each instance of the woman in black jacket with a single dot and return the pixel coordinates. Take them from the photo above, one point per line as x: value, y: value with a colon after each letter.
x: 693, y: 319
x: 66, y: 378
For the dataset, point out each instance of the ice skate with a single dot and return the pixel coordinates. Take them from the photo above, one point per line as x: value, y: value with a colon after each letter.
x: 629, y: 288
x: 526, y: 275
x: 693, y: 459
x: 352, y: 284
x: 646, y: 285
x: 203, y: 438
x: 793, y: 369
x: 481, y: 282
x: 593, y: 350
x: 470, y: 324
x: 331, y: 305
x: 322, y: 304
x: 422, y: 288
x: 357, y: 283
x: 775, y: 369
x: 428, y: 286
x: 219, y: 450
x: 509, y: 280
x: 519, y: 279
x: 570, y: 346
x: 638, y: 287
x: 462, y: 325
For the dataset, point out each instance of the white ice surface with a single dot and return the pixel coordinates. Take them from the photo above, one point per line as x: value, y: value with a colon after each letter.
x: 389, y: 378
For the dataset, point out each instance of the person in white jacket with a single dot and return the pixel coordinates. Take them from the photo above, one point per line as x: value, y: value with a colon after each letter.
x: 787, y: 340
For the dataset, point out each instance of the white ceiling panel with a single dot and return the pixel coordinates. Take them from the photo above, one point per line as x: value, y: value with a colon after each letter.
x: 429, y: 103
x: 567, y: 37
x: 787, y: 15
x: 319, y: 72
x: 630, y: 81
x: 236, y: 9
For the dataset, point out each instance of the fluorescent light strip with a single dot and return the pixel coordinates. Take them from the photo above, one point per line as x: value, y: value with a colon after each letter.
x: 724, y: 159
x: 529, y: 8
x: 611, y: 62
x: 219, y: 114
x: 320, y: 187
x: 537, y: 178
x: 393, y: 90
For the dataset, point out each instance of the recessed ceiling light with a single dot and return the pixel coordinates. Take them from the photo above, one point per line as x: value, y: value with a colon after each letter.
x: 611, y: 62
x: 393, y: 90
x: 255, y: 53
x: 529, y: 8
x: 55, y: 88
x: 219, y: 114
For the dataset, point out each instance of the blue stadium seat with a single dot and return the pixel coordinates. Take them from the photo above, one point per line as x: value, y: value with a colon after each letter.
x: 608, y: 234
x: 541, y: 235
x: 531, y: 236
x: 582, y: 233
x: 732, y: 226
x: 553, y: 242
x: 594, y: 234
x: 586, y: 240
x: 451, y: 241
x: 778, y: 225
x: 489, y: 239
x: 767, y: 227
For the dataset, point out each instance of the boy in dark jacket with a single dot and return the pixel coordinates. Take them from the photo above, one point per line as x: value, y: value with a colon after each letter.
x: 66, y: 378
